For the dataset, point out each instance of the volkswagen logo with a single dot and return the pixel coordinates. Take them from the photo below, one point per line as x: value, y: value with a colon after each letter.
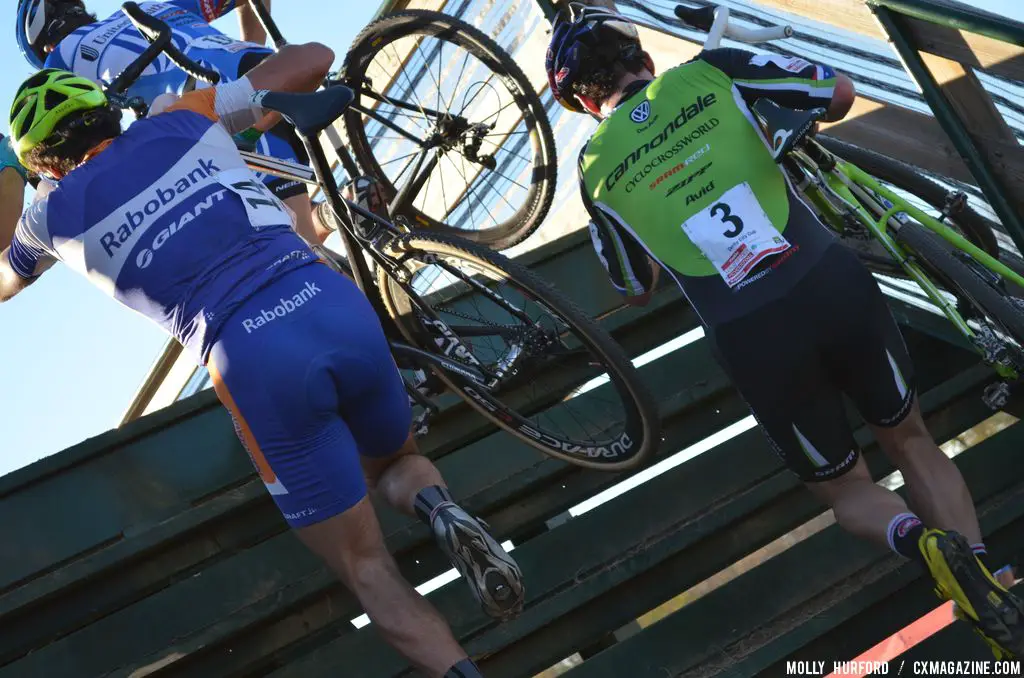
x: 641, y: 113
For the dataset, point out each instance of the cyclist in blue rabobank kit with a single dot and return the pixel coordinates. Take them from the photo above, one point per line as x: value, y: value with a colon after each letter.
x: 167, y: 219
x: 678, y: 178
x: 62, y: 34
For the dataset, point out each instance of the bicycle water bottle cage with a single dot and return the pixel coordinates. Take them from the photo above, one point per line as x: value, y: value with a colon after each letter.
x: 785, y: 127
x: 310, y: 113
x: 366, y: 192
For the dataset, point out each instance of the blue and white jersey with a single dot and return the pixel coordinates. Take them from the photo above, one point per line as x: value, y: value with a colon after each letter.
x: 170, y: 222
x: 101, y: 51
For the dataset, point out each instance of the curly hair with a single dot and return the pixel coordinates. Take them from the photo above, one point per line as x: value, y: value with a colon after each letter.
x: 608, y: 66
x: 76, y: 135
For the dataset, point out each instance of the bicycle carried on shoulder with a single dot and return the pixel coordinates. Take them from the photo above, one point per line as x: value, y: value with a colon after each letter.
x: 951, y: 256
x: 492, y: 331
x: 446, y: 123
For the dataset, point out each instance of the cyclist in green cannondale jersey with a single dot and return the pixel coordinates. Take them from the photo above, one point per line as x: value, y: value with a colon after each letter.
x: 679, y: 178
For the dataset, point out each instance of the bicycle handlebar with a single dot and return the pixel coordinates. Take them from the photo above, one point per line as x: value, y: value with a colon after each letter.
x: 159, y: 33
x: 715, y: 22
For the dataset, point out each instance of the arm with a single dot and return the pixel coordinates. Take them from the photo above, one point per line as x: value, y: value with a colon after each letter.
x: 12, y: 192
x: 630, y: 270
x: 12, y: 198
x: 294, y: 68
x: 249, y: 25
x: 790, y: 82
x: 24, y: 259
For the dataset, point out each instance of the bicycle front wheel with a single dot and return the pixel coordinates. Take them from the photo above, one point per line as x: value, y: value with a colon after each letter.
x: 451, y: 127
x: 555, y: 380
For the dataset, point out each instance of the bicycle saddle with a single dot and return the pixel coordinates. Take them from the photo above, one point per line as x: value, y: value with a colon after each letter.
x: 310, y: 113
x: 785, y: 127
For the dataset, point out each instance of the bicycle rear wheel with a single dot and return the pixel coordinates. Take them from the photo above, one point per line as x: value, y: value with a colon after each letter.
x: 909, y: 179
x: 450, y: 119
x: 556, y: 380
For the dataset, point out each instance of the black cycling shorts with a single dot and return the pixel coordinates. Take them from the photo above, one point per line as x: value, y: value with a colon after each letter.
x: 794, y: 358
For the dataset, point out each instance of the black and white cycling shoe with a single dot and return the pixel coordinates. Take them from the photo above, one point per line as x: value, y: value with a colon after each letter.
x: 493, y: 576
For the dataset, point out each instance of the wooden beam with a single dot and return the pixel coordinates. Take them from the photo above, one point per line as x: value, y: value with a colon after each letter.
x: 983, y: 121
x: 998, y: 58
x: 977, y: 51
x: 898, y: 132
x: 851, y: 15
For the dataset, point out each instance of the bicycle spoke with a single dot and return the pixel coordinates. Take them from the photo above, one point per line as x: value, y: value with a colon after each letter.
x: 412, y: 86
x: 455, y: 90
x: 469, y: 187
x: 394, y: 160
x: 498, y: 112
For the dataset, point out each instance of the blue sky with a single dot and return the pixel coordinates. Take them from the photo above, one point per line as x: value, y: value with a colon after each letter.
x: 70, y: 358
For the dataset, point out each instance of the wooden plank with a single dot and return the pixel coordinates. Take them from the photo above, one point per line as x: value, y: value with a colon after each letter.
x: 579, y: 575
x: 100, y: 592
x: 956, y: 642
x: 901, y: 133
x: 621, y: 605
x: 983, y: 122
x: 86, y: 498
x: 803, y: 581
x: 489, y: 469
x: 973, y: 50
x: 852, y: 624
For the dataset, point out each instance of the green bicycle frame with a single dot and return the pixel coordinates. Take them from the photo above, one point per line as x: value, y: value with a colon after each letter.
x: 846, y: 180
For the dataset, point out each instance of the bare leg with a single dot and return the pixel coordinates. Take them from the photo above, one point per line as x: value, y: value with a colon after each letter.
x: 861, y: 507
x: 399, y: 478
x: 936, y: 489
x: 352, y: 545
x: 492, y: 575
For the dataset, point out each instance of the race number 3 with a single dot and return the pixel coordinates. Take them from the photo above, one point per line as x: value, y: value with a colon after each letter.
x: 735, y: 233
x: 729, y: 218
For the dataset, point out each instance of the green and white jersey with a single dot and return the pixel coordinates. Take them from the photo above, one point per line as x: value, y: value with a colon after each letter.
x: 681, y: 172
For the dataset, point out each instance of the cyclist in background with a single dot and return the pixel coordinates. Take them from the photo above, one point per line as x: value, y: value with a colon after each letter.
x: 167, y: 219
x: 13, y: 178
x: 679, y: 178
x: 62, y: 34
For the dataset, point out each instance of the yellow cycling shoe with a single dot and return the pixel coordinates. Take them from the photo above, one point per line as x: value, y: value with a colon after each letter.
x: 996, y: 614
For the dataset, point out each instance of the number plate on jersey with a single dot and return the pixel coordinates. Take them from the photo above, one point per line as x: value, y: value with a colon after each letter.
x: 734, y: 233
x: 263, y: 207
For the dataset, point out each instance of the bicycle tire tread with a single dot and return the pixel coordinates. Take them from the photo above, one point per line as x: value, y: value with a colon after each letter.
x: 612, y: 353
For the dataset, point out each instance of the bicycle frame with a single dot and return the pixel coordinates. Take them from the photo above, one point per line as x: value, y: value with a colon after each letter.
x: 848, y: 190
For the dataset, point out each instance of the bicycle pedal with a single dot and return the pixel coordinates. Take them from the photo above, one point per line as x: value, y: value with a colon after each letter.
x: 996, y: 395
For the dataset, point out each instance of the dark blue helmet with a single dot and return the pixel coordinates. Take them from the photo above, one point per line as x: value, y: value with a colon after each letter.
x: 575, y: 40
x: 42, y: 22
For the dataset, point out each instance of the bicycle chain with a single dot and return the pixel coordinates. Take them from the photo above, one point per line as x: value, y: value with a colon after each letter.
x: 459, y: 314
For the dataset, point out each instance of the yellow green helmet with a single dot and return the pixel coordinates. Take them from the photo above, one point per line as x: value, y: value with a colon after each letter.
x: 43, y: 101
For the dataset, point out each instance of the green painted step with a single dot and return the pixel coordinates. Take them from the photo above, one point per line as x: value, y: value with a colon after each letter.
x: 801, y: 583
x: 665, y: 517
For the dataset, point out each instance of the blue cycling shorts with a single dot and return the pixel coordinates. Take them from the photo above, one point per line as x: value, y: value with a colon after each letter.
x: 305, y: 370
